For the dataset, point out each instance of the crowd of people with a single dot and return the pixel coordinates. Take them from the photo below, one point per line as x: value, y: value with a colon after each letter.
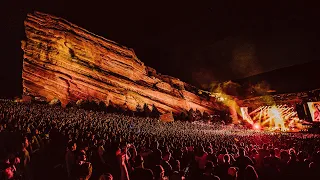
x: 41, y: 141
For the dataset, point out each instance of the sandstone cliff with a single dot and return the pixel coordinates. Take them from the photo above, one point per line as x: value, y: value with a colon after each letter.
x: 64, y: 61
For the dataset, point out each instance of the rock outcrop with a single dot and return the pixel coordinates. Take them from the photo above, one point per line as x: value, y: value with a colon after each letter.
x: 67, y: 62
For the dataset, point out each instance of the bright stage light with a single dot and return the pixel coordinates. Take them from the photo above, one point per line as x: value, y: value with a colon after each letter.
x: 256, y: 126
x: 277, y: 117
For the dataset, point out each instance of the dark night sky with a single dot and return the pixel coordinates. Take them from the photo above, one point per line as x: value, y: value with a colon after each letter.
x: 197, y: 41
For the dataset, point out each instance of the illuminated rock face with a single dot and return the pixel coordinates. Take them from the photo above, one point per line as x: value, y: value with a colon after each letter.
x: 64, y: 61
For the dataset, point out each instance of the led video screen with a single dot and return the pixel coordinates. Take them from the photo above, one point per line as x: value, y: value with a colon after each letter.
x: 314, y: 108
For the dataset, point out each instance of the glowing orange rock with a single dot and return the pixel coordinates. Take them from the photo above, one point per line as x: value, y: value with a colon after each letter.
x: 64, y: 61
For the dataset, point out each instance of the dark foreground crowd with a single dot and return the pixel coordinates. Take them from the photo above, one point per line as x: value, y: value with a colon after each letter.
x: 50, y: 142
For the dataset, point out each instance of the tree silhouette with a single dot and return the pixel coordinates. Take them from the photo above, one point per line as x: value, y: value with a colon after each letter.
x: 155, y: 112
x: 139, y: 110
x: 120, y: 110
x: 111, y: 108
x: 176, y: 116
x: 93, y: 105
x: 198, y: 115
x: 102, y: 106
x: 129, y: 113
x: 71, y: 104
x: 190, y: 115
x: 183, y: 116
x: 146, y: 110
x: 206, y: 116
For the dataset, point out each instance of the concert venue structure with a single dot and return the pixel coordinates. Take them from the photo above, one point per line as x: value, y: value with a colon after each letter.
x: 76, y: 105
x: 66, y: 62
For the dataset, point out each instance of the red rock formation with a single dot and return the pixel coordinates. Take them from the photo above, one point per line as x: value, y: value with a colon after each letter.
x: 64, y: 61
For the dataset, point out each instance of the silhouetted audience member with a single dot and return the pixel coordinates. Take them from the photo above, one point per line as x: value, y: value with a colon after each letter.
x: 250, y: 173
x: 139, y: 172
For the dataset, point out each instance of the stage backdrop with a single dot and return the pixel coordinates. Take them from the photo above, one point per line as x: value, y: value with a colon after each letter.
x: 314, y: 108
